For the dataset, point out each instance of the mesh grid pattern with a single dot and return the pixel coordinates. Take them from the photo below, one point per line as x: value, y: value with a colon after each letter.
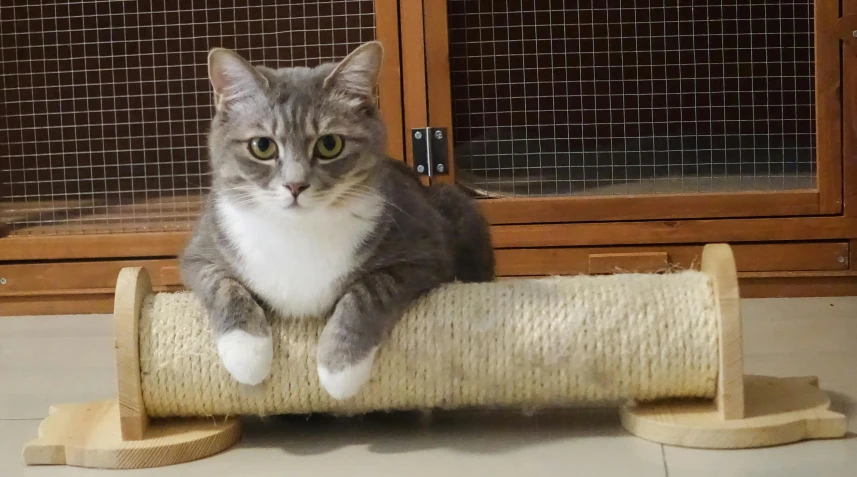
x: 620, y: 97
x: 107, y: 103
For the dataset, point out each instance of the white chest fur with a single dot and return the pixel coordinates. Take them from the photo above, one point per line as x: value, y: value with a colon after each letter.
x: 296, y: 264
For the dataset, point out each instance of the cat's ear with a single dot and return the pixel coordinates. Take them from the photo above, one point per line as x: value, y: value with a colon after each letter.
x: 232, y: 77
x: 358, y: 73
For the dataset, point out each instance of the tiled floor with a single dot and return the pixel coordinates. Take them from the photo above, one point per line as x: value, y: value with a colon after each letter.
x: 45, y: 360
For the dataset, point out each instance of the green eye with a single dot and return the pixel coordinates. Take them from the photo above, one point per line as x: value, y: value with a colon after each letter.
x: 263, y: 148
x: 328, y: 146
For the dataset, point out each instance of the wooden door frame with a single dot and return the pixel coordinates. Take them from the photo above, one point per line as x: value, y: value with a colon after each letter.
x: 825, y: 200
x: 845, y: 29
x: 414, y: 99
x: 390, y: 82
x: 828, y: 106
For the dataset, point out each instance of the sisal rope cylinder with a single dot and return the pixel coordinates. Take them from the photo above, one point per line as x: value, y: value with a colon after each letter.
x: 526, y: 343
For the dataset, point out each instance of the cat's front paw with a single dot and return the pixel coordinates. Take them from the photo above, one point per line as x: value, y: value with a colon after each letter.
x: 341, y: 379
x: 247, y: 357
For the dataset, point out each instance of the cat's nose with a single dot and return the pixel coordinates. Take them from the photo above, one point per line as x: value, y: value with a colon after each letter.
x: 297, y: 188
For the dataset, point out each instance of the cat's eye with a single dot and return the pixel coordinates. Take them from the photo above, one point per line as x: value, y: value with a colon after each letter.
x: 263, y: 148
x: 328, y: 146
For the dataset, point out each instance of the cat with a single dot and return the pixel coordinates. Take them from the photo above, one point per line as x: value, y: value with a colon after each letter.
x: 308, y: 217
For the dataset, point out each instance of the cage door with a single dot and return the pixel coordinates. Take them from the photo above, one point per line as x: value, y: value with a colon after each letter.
x: 106, y: 104
x: 621, y: 110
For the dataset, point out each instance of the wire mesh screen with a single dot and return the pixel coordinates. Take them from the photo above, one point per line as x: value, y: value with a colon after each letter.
x: 107, y: 103
x: 620, y: 97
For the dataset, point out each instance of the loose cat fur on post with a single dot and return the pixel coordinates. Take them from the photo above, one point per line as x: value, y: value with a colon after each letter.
x: 308, y: 217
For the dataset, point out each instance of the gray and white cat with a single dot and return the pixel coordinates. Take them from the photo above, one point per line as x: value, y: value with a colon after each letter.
x: 308, y: 217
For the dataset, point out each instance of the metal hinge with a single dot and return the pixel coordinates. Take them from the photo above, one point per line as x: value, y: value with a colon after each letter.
x: 430, y: 154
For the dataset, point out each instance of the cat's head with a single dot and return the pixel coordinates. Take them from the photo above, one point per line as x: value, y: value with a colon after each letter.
x: 295, y: 139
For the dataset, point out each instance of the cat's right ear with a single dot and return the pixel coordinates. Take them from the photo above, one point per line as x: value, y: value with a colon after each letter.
x: 232, y: 77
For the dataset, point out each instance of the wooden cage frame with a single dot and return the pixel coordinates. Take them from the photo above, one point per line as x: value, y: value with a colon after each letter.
x: 793, y: 243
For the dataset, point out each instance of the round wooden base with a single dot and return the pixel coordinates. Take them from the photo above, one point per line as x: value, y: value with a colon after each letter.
x: 88, y: 435
x: 776, y: 411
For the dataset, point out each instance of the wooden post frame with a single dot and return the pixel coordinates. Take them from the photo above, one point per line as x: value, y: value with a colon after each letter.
x: 747, y: 411
x: 117, y: 433
x: 133, y: 420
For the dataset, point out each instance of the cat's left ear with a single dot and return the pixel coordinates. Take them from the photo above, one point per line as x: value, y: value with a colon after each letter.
x: 358, y: 73
x: 232, y: 78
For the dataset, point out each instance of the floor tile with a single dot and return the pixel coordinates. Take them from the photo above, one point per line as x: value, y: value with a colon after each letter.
x: 776, y: 325
x: 834, y: 458
x: 47, y: 360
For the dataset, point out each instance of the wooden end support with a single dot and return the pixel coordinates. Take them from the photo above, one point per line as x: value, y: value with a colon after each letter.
x: 748, y: 411
x: 117, y: 433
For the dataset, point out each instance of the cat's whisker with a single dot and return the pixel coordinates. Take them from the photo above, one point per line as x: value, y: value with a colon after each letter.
x: 385, y: 201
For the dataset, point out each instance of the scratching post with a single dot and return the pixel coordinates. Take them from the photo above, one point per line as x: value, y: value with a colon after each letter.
x: 668, y: 344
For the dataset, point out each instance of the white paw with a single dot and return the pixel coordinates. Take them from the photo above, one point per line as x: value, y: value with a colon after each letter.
x: 246, y: 357
x: 345, y: 383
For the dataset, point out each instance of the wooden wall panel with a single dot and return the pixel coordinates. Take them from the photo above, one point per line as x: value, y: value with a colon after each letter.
x: 71, y: 278
x: 662, y: 207
x: 674, y: 231
x: 813, y: 256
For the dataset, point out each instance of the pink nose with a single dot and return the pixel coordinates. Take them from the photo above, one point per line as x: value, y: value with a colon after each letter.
x: 297, y: 188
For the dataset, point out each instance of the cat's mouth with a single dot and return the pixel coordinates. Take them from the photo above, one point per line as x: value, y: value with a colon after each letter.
x: 296, y: 207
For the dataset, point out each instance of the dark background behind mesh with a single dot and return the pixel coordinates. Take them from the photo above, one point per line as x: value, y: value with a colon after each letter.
x: 657, y: 87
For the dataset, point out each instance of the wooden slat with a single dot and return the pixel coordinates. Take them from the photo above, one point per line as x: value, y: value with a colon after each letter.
x: 11, y: 212
x: 170, y: 244
x: 663, y: 207
x: 56, y: 305
x: 797, y: 286
x: 640, y: 261
x: 99, y: 277
x: 390, y: 87
x: 749, y: 257
x: 789, y: 285
x: 828, y: 106
x: 751, y: 287
x: 120, y: 245
x: 79, y: 277
x: 150, y: 224
x: 414, y: 68
x: 849, y: 116
x: 690, y: 231
x: 75, y: 217
x: 438, y: 79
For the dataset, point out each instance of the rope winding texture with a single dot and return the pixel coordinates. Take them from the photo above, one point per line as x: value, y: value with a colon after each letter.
x: 525, y: 343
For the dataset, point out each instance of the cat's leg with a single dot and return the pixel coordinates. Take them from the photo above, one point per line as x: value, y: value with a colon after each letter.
x: 361, y: 320
x: 239, y: 324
